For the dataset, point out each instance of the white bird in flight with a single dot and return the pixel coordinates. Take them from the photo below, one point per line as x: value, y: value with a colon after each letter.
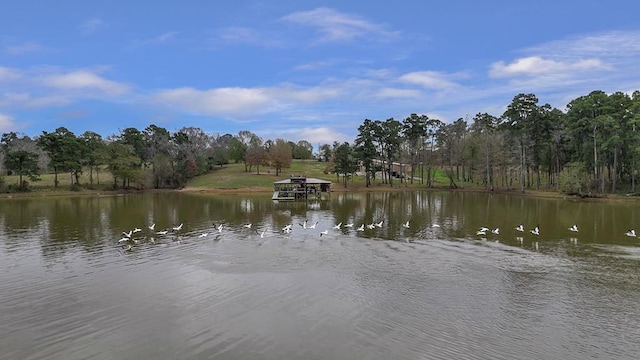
x: 520, y: 228
x: 178, y: 228
x: 406, y: 225
x: 324, y: 232
x: 248, y: 226
x: 338, y: 226
x: 152, y: 226
x: 361, y: 228
x: 631, y: 233
x: 536, y: 230
x: 574, y: 228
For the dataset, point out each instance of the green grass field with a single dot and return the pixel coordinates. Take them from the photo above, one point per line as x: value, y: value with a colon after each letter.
x: 101, y: 180
x: 233, y: 176
x: 230, y: 176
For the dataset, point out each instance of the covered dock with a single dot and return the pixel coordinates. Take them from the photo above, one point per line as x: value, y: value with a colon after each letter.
x: 298, y: 187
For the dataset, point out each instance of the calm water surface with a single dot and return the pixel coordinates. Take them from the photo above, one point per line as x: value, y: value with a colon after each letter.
x: 71, y: 290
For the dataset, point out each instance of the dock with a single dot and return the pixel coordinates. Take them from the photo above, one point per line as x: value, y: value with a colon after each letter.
x: 300, y: 187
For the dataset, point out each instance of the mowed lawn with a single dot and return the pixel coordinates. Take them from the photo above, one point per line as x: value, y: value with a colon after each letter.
x: 230, y: 176
x: 101, y: 180
x: 234, y: 176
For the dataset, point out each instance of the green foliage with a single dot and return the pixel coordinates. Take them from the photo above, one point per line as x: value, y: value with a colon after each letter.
x: 345, y: 163
x: 572, y: 179
x: 280, y: 155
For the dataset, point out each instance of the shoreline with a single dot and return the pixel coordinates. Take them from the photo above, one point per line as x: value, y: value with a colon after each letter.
x: 338, y: 189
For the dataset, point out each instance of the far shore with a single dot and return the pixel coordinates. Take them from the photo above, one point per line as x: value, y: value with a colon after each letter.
x: 336, y: 188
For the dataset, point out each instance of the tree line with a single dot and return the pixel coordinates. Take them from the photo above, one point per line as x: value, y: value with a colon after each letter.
x: 590, y: 148
x: 153, y: 157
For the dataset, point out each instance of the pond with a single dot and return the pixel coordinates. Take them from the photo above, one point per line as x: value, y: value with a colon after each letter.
x: 405, y: 276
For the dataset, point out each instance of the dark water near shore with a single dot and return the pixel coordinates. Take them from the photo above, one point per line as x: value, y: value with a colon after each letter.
x: 71, y: 290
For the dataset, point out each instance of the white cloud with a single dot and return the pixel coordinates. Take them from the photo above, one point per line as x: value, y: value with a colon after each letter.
x: 221, y: 101
x: 238, y: 34
x: 313, y: 66
x: 314, y: 135
x: 390, y: 93
x: 612, y: 44
x: 90, y: 26
x: 239, y: 101
x: 535, y: 65
x: 23, y: 48
x: 85, y: 80
x: 430, y: 80
x: 7, y: 74
x: 334, y: 26
x: 6, y: 123
x: 163, y: 38
x: 170, y: 35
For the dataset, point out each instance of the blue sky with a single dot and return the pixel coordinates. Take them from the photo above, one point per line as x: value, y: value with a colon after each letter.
x: 301, y: 70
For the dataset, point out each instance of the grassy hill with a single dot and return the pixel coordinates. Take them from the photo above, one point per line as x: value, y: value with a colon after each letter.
x: 234, y: 176
x: 230, y: 177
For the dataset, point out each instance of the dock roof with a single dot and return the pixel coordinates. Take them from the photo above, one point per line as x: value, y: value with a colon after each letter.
x: 307, y: 181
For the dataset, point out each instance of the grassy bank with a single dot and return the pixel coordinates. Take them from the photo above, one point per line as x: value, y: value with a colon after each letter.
x: 233, y: 177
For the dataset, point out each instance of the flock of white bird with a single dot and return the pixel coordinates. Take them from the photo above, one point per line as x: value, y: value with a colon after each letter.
x: 129, y: 239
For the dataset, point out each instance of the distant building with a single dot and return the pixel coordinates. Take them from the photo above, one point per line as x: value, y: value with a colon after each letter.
x: 298, y: 187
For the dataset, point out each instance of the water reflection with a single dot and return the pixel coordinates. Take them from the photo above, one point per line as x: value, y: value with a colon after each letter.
x: 70, y: 290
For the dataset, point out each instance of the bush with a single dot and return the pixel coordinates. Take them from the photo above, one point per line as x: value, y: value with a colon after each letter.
x: 573, y: 179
